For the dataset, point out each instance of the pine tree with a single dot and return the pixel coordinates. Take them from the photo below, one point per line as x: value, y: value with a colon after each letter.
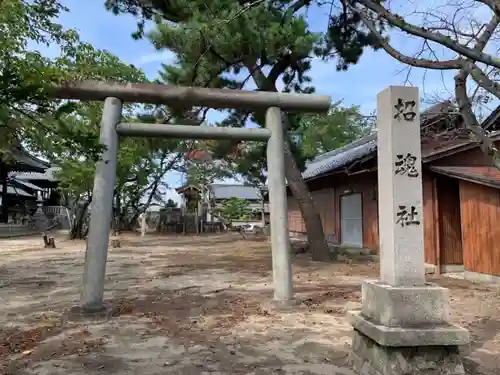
x: 224, y: 44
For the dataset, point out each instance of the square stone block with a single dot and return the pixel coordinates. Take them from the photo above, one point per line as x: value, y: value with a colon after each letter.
x: 370, y: 358
x: 408, y: 306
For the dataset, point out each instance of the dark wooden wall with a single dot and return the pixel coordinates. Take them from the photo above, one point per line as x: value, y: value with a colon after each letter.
x: 326, y: 193
x: 480, y: 211
x: 295, y: 221
x: 450, y: 232
x: 430, y: 218
x: 325, y: 204
x: 324, y: 201
x: 461, y: 219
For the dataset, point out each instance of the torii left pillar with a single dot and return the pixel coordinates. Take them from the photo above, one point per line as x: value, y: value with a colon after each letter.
x: 96, y: 256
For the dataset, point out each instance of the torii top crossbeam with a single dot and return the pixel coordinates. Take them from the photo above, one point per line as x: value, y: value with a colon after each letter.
x: 196, y: 96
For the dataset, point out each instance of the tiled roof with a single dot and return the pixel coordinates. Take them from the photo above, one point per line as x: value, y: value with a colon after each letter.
x: 492, y: 120
x: 222, y: 191
x: 183, y: 189
x: 367, y: 145
x: 22, y: 157
x: 22, y: 184
x: 48, y: 175
x: 12, y: 190
x: 480, y: 174
x: 341, y: 156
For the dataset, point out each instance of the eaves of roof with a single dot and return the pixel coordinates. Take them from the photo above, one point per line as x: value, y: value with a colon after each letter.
x: 367, y: 146
x: 483, y: 175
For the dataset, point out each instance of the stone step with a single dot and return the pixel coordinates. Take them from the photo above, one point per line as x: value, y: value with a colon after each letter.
x: 357, y: 251
x: 358, y: 258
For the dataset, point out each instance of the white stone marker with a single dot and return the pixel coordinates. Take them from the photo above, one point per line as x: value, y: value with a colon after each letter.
x: 142, y: 218
x: 400, y: 187
x: 403, y: 325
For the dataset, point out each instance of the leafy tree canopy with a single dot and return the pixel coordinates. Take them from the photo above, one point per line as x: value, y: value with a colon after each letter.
x: 320, y: 133
x: 228, y: 43
x: 171, y: 203
x: 225, y: 44
x: 142, y: 163
x: 27, y: 113
x: 235, y: 209
x: 67, y: 132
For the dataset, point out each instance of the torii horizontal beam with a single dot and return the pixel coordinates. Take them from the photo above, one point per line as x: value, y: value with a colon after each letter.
x: 191, y: 96
x: 192, y: 132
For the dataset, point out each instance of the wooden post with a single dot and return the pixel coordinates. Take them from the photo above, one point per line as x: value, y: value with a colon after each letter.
x: 437, y: 238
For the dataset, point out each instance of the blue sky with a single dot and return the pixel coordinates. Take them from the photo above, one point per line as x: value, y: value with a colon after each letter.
x: 358, y: 86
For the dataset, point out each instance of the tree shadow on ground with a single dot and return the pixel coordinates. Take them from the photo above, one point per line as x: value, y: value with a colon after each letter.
x: 205, y: 327
x: 188, y: 317
x: 214, y: 319
x: 180, y: 241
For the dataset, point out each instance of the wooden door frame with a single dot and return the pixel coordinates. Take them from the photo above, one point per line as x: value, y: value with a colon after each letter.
x: 437, y: 189
x: 437, y: 229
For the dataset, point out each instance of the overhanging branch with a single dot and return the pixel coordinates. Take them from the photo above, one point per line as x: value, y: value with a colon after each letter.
x: 424, y: 33
x: 412, y: 61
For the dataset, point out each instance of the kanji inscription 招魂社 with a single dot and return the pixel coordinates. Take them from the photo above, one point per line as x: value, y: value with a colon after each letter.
x: 406, y: 165
x: 407, y: 216
x: 405, y: 109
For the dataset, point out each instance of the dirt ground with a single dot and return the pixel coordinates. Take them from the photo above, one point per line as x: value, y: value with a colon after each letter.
x: 193, y: 305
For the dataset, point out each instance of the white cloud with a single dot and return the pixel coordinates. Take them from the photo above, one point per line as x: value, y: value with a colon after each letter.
x: 165, y: 57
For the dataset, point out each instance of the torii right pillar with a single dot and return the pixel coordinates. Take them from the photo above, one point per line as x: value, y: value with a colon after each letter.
x: 403, y: 325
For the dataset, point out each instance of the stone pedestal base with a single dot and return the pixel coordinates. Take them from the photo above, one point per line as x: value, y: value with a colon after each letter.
x: 405, y: 331
x: 281, y: 305
x: 79, y: 313
x: 370, y: 358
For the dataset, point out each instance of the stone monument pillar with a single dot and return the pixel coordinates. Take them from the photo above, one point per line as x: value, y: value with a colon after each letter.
x: 403, y: 325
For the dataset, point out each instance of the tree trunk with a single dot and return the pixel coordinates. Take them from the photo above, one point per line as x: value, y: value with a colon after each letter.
x: 132, y: 224
x: 262, y: 211
x: 315, y: 234
x: 318, y: 245
x: 118, y: 216
x: 77, y: 231
x: 4, y: 175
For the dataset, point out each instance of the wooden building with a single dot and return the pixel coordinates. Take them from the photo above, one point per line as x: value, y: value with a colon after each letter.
x: 212, y: 196
x: 461, y: 189
x: 15, y: 195
x: 45, y: 183
x: 258, y: 200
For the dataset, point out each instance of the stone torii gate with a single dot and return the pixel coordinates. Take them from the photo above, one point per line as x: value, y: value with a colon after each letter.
x: 115, y: 94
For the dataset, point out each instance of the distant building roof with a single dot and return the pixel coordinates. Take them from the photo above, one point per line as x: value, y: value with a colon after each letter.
x: 24, y: 184
x: 222, y: 191
x: 186, y: 188
x: 23, y: 160
x: 48, y: 175
x: 12, y: 190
